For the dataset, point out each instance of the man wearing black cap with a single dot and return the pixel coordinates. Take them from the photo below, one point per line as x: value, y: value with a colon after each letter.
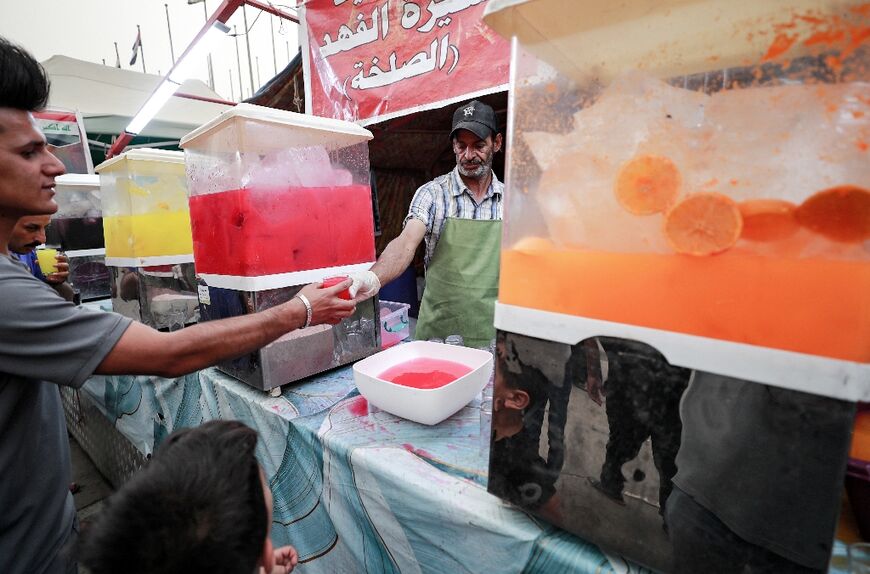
x: 459, y: 216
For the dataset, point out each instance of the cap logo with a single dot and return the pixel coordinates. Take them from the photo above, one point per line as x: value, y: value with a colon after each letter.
x: 469, y: 111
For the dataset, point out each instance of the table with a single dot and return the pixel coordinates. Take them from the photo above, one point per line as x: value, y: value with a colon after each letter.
x: 356, y: 491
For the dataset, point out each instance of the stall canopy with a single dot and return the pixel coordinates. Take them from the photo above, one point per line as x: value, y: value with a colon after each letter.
x: 108, y: 97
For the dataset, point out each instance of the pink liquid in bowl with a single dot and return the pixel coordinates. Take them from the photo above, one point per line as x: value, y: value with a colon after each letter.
x: 425, y: 373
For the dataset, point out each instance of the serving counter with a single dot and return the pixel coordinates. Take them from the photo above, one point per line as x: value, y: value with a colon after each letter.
x: 354, y: 491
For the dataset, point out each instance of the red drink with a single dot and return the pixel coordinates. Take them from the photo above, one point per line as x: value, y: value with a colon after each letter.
x: 425, y: 373
x: 263, y: 231
x: 331, y: 281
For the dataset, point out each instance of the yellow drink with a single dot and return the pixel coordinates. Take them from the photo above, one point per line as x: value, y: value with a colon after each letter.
x: 47, y: 259
x: 148, y: 234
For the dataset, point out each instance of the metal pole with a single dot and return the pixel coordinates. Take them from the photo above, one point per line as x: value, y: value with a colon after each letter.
x: 232, y: 89
x: 268, y: 8
x: 117, y: 57
x: 248, y: 44
x: 222, y: 14
x: 169, y: 29
x: 257, y: 59
x: 210, y: 67
x: 274, y: 54
x: 238, y: 63
x: 141, y: 49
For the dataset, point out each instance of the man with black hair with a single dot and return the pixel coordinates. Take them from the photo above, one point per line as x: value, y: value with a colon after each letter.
x: 201, y: 505
x: 459, y: 216
x: 46, y: 341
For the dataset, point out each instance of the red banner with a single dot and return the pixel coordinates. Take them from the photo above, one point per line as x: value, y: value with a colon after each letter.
x: 371, y: 60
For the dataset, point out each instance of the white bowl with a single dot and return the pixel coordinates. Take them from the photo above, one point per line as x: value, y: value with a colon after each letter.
x: 425, y: 406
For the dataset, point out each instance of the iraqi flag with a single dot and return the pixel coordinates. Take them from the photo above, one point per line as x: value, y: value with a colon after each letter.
x: 137, y: 45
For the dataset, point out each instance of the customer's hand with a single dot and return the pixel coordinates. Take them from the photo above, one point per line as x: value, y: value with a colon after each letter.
x: 62, y: 273
x: 285, y: 560
x: 326, y: 306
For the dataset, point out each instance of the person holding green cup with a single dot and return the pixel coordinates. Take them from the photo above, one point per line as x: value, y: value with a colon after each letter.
x: 47, y: 265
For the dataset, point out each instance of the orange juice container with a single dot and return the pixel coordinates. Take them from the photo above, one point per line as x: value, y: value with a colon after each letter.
x: 703, y: 187
x: 684, y: 290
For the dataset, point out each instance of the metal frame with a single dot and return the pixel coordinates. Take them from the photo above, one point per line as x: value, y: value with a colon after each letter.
x: 222, y: 14
x: 111, y: 452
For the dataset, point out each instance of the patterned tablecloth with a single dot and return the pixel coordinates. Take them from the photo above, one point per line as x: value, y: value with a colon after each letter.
x: 357, y: 491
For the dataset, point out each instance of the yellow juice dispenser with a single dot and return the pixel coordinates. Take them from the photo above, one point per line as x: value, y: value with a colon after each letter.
x: 687, y: 219
x: 279, y: 200
x: 149, y: 250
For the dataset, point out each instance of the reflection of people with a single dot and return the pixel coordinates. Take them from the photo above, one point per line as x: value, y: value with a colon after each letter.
x: 459, y: 216
x: 27, y: 235
x: 201, y: 505
x: 128, y: 285
x: 178, y: 278
x: 44, y: 340
x: 643, y: 400
x: 517, y: 471
x: 760, y: 477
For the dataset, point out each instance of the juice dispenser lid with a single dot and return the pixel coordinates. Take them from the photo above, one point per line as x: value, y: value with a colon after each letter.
x: 307, y: 130
x: 163, y: 155
x: 598, y: 39
x: 75, y: 180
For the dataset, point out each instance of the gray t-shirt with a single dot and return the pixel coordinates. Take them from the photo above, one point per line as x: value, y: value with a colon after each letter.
x: 768, y: 462
x: 43, y: 339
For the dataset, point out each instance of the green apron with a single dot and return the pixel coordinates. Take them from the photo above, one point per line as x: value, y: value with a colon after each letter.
x: 462, y: 281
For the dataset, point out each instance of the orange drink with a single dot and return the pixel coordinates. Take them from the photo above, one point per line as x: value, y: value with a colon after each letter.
x: 811, y: 305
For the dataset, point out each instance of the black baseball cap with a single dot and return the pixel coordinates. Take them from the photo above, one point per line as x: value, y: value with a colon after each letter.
x: 476, y: 117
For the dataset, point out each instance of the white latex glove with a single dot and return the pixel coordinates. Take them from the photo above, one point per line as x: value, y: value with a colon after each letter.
x: 365, y: 285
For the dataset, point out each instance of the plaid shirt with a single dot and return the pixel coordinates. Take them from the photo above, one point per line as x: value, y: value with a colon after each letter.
x: 433, y: 204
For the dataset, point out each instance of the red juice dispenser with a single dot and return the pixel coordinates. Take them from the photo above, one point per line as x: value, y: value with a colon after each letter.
x: 279, y: 200
x: 686, y: 261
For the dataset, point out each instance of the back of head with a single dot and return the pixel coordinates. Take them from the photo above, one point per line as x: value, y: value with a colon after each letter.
x: 197, y: 507
x: 521, y: 377
x: 23, y: 83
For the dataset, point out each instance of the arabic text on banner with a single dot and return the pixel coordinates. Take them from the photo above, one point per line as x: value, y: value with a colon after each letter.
x: 370, y: 59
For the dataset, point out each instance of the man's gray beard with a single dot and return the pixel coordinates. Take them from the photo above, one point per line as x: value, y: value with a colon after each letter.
x: 477, y: 173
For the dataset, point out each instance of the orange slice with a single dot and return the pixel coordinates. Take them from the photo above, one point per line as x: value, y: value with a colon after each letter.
x: 840, y: 213
x: 647, y: 184
x: 768, y: 219
x: 703, y: 224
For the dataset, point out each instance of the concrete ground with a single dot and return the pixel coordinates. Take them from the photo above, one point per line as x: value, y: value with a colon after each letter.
x: 93, y: 489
